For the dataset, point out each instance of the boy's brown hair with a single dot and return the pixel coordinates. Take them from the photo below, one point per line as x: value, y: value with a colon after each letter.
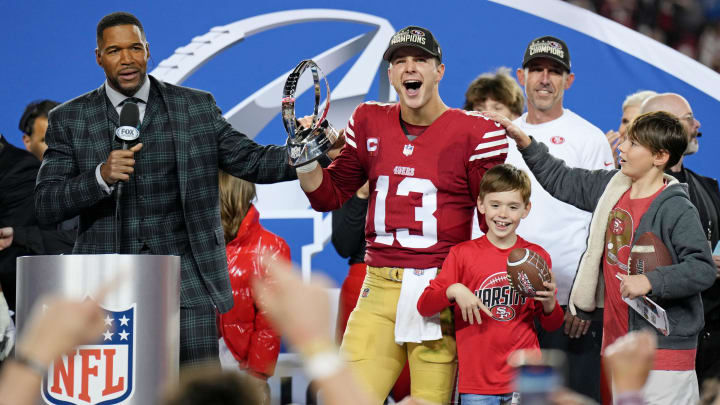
x: 660, y: 131
x: 499, y: 86
x: 505, y: 177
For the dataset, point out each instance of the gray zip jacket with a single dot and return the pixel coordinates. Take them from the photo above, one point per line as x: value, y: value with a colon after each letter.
x: 671, y: 216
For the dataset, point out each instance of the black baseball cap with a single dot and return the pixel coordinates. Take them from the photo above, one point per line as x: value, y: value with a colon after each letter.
x: 548, y: 47
x: 416, y: 37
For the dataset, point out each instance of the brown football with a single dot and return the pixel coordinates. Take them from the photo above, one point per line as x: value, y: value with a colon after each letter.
x: 526, y: 271
x: 648, y: 253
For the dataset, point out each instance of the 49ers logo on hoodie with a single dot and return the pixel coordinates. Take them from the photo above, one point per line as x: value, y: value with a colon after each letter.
x: 496, y: 294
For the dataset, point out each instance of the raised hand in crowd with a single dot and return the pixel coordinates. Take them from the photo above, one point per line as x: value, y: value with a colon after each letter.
x: 54, y: 327
x: 301, y: 312
x: 298, y: 310
x: 629, y: 360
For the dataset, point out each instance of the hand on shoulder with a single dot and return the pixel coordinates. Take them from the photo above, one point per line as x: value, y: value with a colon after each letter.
x: 513, y: 131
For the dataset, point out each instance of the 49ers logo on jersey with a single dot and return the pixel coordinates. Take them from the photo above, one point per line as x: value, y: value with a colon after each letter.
x: 619, y: 235
x: 617, y: 226
x: 502, y: 312
x: 404, y: 171
x: 496, y: 294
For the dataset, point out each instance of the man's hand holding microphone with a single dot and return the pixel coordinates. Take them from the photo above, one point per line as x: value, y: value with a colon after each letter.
x: 120, y: 164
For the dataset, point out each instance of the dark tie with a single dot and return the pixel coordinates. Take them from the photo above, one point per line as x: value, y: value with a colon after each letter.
x: 131, y: 100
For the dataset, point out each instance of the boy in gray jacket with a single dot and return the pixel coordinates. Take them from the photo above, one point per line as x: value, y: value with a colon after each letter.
x: 626, y: 203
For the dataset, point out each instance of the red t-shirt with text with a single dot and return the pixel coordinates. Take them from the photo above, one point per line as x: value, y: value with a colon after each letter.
x: 483, y: 349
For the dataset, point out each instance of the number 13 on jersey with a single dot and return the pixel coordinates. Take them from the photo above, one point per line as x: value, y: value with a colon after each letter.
x: 423, y: 213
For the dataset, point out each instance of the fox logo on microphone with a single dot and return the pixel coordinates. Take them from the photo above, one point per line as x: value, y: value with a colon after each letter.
x: 100, y: 373
x: 127, y: 133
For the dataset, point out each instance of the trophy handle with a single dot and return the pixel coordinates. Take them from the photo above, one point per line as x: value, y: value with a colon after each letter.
x: 305, y: 145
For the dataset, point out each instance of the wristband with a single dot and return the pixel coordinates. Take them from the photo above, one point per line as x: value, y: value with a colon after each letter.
x: 323, y: 365
x: 307, y: 168
x: 321, y: 358
x: 33, y: 365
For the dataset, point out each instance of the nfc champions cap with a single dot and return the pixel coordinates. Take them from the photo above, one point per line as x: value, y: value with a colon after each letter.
x: 548, y: 47
x: 417, y: 37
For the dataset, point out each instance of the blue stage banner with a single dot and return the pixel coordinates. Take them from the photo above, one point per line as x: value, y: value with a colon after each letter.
x: 241, y: 52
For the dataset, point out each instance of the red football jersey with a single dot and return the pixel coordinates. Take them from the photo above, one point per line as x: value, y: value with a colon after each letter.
x: 483, y: 348
x: 422, y: 192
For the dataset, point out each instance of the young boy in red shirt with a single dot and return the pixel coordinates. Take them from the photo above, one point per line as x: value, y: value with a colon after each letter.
x: 474, y: 279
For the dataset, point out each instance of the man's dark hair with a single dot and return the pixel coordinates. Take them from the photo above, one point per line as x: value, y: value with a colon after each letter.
x: 115, y: 19
x: 34, y: 110
x: 660, y: 131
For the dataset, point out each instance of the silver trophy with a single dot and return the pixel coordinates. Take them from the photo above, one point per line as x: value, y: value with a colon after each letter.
x: 305, y: 145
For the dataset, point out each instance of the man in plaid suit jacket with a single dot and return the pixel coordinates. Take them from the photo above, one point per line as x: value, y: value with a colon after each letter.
x: 170, y: 197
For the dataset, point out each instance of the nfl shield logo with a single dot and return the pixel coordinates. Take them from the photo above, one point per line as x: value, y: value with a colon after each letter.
x: 408, y: 150
x: 100, y: 373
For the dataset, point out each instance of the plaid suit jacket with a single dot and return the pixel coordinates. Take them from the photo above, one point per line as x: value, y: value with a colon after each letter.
x: 78, y: 140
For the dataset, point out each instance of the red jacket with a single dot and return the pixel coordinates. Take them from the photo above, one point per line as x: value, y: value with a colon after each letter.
x: 245, y: 329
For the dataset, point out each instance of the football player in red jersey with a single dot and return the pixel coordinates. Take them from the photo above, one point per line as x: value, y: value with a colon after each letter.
x: 424, y: 162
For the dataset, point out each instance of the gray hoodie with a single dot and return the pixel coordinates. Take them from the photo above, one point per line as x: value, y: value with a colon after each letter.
x: 671, y: 216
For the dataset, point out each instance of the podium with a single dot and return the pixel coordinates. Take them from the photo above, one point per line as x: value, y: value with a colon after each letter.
x: 139, y: 352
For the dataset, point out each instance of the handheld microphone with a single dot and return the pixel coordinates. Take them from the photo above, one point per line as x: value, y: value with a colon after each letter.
x: 129, y: 118
x: 127, y: 132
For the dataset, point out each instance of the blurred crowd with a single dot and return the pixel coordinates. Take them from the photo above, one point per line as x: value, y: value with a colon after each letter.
x: 690, y: 26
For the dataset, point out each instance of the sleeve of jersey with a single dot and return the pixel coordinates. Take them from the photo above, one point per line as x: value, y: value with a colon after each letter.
x: 553, y: 321
x: 490, y: 150
x: 345, y: 174
x: 434, y: 298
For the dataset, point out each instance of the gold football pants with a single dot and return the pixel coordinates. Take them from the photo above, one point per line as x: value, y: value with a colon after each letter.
x: 374, y: 357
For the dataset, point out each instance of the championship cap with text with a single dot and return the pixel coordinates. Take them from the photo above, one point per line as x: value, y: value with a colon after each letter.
x: 416, y: 37
x: 550, y: 48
